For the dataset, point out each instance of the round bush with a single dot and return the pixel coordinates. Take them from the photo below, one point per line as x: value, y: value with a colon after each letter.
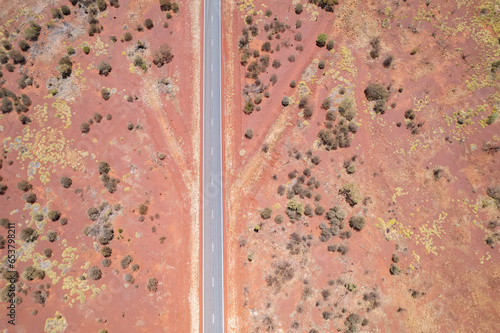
x: 94, y: 273
x: 65, y: 182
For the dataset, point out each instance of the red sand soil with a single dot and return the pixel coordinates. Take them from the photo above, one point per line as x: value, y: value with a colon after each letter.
x: 436, y: 225
x: 166, y: 245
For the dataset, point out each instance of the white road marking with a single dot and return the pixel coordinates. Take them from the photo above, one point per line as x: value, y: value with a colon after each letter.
x: 212, y: 150
x: 212, y: 67
x: 212, y: 42
x: 212, y: 93
x: 213, y: 318
x: 212, y: 182
x: 212, y: 247
x: 212, y: 18
x: 212, y: 281
x: 212, y: 213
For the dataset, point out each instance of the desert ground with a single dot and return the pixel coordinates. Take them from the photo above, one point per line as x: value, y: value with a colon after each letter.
x: 100, y: 165
x: 362, y: 167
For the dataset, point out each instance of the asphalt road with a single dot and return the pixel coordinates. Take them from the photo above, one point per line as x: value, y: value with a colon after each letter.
x: 213, y: 255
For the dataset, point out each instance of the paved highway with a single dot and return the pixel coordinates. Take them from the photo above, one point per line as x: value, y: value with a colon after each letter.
x: 213, y: 247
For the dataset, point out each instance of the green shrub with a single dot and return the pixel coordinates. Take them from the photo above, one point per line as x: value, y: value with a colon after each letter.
x: 23, y: 45
x: 94, y: 273
x: 114, y: 3
x: 84, y: 127
x: 375, y: 92
x: 330, y: 44
x: 30, y: 197
x: 266, y: 213
x: 65, y: 10
x: 321, y: 40
x: 51, y: 236
x: 143, y: 209
x: 33, y: 31
x: 104, y: 68
x: 388, y: 61
x: 321, y: 64
x: 126, y: 260
x: 298, y: 24
x: 285, y: 101
x: 148, y: 23
x: 31, y: 273
x: 24, y: 186
x: 105, y: 93
x: 249, y: 133
x: 54, y: 215
x: 351, y: 193
x: 152, y: 285
x: 106, y: 251
x: 28, y: 235
x: 47, y: 253
x: 17, y: 57
x: 357, y: 222
x: 395, y: 270
x: 268, y: 13
x: 163, y: 55
x: 395, y: 258
x: 299, y: 8
x: 346, y: 108
x: 65, y: 182
x: 56, y: 13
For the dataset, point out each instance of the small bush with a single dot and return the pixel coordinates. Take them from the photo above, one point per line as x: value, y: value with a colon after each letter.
x: 114, y: 3
x: 33, y: 31
x: 330, y: 44
x: 387, y: 62
x: 30, y: 197
x: 86, y: 49
x: 276, y: 63
x: 127, y: 37
x: 31, y: 273
x: 321, y: 64
x: 248, y: 19
x: 143, y: 209
x: 23, y: 45
x: 125, y: 262
x: 54, y: 215
x: 152, y: 285
x: 106, y: 262
x: 105, y: 93
x: 65, y: 182
x: 285, y: 101
x: 266, y: 47
x: 104, y: 68
x: 65, y: 10
x: 321, y: 40
x: 28, y: 235
x: 56, y: 13
x: 129, y: 278
x: 163, y: 55
x: 266, y: 213
x: 97, y: 117
x: 84, y: 127
x: 394, y: 270
x: 94, y: 273
x: 17, y: 57
x: 375, y: 92
x: 24, y: 186
x: 249, y: 133
x: 47, y: 253
x: 298, y: 24
x: 148, y: 23
x: 51, y: 236
x: 293, y: 84
x: 64, y: 70
x: 291, y: 58
x: 6, y: 44
x: 106, y: 251
x: 278, y: 219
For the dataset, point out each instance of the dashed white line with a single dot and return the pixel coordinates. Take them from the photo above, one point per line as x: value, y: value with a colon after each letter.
x: 212, y: 182
x: 212, y: 281
x: 212, y: 213
x: 212, y: 18
x: 212, y: 247
x: 212, y: 93
x: 212, y: 149
x: 212, y: 67
x: 212, y: 121
x: 212, y: 42
x: 213, y: 318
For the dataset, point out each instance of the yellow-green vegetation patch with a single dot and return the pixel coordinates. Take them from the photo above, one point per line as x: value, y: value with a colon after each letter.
x: 56, y: 324
x: 347, y: 62
x: 429, y: 231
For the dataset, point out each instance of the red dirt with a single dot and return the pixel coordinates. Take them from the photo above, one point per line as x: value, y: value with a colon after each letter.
x: 436, y: 226
x: 170, y: 187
